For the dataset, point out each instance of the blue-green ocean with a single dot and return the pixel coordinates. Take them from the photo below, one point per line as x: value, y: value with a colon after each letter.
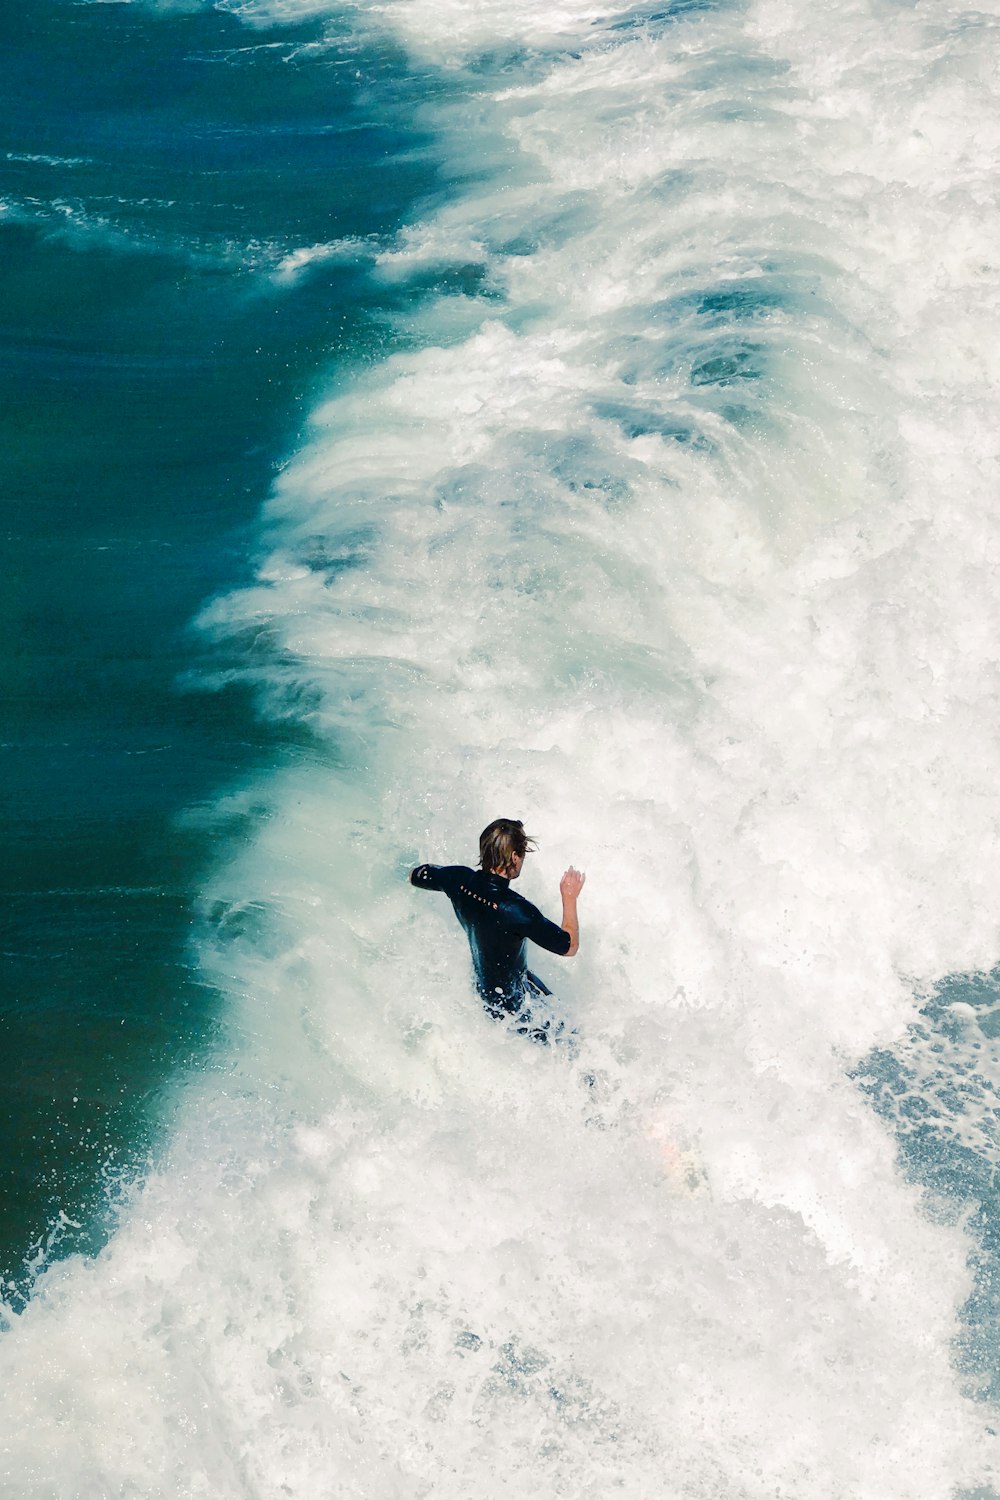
x: 157, y: 167
x: 421, y: 411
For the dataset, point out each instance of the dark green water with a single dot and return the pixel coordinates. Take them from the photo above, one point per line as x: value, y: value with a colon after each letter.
x: 155, y: 168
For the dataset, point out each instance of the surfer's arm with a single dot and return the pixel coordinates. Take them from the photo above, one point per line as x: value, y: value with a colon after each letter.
x: 570, y: 887
x: 528, y: 920
x: 438, y: 877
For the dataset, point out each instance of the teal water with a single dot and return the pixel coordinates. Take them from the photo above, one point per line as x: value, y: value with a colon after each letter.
x: 938, y: 1090
x: 154, y: 170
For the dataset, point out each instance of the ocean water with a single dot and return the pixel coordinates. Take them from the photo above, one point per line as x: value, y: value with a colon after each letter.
x: 633, y: 472
x: 155, y: 360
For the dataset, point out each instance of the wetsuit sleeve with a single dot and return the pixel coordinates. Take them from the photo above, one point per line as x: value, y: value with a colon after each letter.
x: 436, y: 877
x: 540, y: 930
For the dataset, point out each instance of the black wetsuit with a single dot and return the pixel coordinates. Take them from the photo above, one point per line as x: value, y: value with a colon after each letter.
x: 498, y: 922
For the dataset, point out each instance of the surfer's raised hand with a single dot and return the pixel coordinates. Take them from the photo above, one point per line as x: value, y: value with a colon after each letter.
x: 570, y: 887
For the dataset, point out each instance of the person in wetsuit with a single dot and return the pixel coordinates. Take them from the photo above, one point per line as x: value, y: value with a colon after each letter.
x: 498, y: 922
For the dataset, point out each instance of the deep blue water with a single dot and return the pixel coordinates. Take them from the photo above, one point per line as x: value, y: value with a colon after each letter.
x: 154, y: 168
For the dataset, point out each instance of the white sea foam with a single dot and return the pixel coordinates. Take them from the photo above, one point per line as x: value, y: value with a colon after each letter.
x: 297, y: 263
x: 48, y: 161
x: 681, y: 544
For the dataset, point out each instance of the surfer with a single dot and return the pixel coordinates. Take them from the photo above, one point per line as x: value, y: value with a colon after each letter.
x: 498, y: 922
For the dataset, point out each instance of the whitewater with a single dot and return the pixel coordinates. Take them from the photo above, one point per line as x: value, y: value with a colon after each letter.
x: 668, y: 524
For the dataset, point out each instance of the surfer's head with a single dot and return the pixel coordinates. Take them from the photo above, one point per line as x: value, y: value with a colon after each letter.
x: 503, y: 845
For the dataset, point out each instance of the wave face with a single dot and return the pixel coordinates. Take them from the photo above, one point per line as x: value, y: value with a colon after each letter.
x: 668, y: 526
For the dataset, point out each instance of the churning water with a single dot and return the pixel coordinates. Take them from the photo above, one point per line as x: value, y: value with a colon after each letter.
x: 665, y: 518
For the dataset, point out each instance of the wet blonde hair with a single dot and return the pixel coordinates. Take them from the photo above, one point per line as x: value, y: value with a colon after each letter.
x: 500, y: 841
